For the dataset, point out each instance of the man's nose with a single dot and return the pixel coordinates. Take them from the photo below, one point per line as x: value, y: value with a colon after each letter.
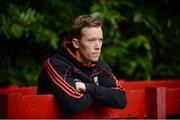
x: 98, y: 44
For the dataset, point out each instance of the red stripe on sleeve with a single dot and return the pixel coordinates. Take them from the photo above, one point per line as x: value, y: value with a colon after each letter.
x: 118, y: 83
x: 60, y: 82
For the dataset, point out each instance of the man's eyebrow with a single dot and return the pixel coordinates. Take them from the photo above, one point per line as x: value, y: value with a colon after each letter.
x: 100, y: 38
x: 95, y: 38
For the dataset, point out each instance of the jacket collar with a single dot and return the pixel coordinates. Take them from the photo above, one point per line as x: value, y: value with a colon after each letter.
x: 69, y: 49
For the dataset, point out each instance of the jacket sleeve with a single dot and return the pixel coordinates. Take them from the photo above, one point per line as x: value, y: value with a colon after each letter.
x: 109, y: 91
x: 60, y: 82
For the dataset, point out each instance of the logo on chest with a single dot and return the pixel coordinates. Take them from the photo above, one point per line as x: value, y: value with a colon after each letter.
x: 96, y: 80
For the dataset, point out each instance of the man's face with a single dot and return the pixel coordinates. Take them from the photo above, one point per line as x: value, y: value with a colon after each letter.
x: 89, y: 47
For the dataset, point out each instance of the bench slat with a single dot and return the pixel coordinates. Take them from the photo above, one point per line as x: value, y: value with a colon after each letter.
x: 22, y: 102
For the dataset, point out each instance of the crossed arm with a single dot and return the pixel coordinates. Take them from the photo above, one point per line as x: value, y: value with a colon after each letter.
x: 77, y: 96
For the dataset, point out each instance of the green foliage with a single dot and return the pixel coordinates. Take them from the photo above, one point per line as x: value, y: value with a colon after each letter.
x: 21, y: 21
x: 130, y: 54
x: 30, y: 32
x: 21, y: 72
x: 141, y: 38
x: 139, y: 42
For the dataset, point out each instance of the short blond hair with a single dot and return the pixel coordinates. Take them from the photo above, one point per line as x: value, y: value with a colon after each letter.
x: 81, y: 22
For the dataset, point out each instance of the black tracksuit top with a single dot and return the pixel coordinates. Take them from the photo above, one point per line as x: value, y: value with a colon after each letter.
x: 62, y: 70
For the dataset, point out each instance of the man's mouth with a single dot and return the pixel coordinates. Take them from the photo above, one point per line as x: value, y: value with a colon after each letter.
x: 96, y: 53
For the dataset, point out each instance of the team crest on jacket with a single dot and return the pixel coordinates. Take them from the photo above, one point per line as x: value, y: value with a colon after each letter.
x: 96, y: 81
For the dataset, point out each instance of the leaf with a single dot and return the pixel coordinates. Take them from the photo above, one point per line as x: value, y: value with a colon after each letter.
x: 17, y: 30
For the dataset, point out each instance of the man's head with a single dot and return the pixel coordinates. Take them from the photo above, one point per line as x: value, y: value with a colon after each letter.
x: 87, y: 36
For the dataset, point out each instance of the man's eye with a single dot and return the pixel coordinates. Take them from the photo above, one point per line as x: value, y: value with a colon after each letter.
x: 91, y: 40
x: 100, y: 39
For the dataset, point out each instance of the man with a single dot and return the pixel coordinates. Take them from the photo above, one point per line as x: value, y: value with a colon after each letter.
x: 76, y: 76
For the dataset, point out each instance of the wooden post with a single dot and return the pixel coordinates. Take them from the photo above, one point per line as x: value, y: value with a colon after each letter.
x: 155, y: 102
x: 3, y: 106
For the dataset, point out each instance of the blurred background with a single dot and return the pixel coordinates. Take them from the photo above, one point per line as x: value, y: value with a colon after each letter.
x: 141, y: 37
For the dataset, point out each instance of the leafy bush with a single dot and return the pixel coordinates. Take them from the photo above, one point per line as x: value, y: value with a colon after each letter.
x: 30, y: 32
x: 141, y: 38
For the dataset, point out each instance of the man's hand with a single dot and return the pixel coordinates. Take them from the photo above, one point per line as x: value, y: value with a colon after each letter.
x: 80, y: 87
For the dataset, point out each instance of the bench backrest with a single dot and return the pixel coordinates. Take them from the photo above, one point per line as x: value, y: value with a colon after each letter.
x: 129, y: 85
x: 44, y: 106
x: 22, y: 90
x: 22, y: 102
x: 154, y: 83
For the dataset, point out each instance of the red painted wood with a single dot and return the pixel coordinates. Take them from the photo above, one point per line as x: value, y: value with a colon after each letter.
x: 134, y: 109
x: 173, y: 101
x: 41, y: 106
x: 22, y: 102
x: 156, y: 103
x: 9, y: 90
x: 32, y: 106
x: 23, y: 90
x: 44, y: 106
x: 129, y: 85
x: 3, y: 106
x: 155, y: 83
x: 32, y: 90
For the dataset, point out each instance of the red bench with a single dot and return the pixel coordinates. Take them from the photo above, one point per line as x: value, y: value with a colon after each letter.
x: 16, y: 89
x: 129, y: 85
x: 22, y: 102
x: 155, y: 83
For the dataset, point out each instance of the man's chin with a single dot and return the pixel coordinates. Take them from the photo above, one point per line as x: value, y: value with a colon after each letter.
x: 95, y: 60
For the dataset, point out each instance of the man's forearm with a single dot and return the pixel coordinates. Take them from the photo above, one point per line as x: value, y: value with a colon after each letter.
x: 115, y: 98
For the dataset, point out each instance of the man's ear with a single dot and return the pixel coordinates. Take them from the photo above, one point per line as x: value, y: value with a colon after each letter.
x: 75, y: 43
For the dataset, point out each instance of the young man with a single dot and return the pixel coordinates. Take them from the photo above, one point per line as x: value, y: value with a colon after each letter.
x: 76, y: 76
